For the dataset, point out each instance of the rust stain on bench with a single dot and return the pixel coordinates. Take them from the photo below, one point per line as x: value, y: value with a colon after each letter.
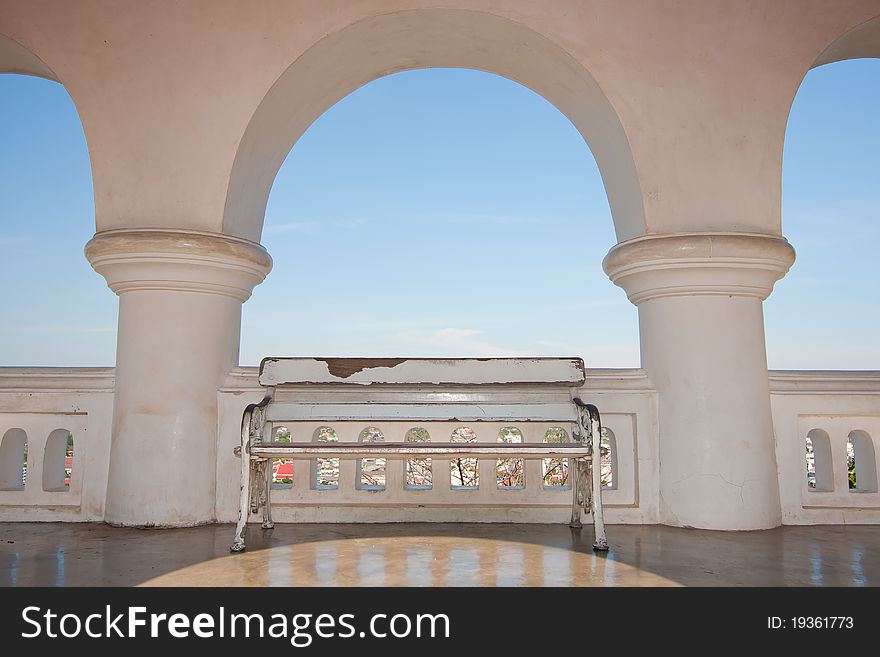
x: 346, y: 367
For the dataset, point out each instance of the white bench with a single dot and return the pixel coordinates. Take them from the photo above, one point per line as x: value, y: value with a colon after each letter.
x: 514, y: 390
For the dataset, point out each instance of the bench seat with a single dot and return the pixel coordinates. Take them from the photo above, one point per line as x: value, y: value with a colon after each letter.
x: 403, y: 451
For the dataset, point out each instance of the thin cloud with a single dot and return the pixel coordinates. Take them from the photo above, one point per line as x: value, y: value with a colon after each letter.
x: 13, y: 241
x: 833, y: 355
x: 63, y: 329
x: 387, y: 326
x: 291, y: 227
x: 464, y: 342
x: 605, y: 354
x: 470, y: 218
x: 311, y: 227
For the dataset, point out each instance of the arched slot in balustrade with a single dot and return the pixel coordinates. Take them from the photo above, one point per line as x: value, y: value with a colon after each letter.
x: 419, y: 474
x: 510, y: 473
x: 58, y: 461
x: 282, y: 469
x: 608, y: 448
x: 861, y: 462
x: 820, y: 471
x: 556, y: 469
x: 464, y: 474
x: 371, y: 471
x: 13, y: 460
x: 324, y: 472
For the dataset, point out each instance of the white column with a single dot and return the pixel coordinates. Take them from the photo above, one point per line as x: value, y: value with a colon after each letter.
x: 180, y: 296
x: 702, y: 342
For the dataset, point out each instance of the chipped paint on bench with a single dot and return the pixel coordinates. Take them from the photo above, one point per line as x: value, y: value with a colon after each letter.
x: 422, y: 371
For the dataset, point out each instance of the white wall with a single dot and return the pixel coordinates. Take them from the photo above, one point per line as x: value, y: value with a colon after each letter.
x: 40, y: 400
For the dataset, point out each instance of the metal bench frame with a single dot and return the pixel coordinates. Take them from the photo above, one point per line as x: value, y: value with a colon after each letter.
x: 278, y: 374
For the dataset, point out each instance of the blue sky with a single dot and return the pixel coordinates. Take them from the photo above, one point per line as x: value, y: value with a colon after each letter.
x: 447, y: 213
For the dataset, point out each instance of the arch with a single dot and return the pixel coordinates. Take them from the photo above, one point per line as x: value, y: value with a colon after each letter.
x: 510, y: 473
x: 56, y: 474
x: 865, y: 462
x: 859, y: 42
x: 820, y: 471
x: 426, y: 38
x: 324, y: 472
x: 819, y: 259
x: 13, y: 460
x: 418, y: 473
x: 15, y: 58
x: 371, y: 471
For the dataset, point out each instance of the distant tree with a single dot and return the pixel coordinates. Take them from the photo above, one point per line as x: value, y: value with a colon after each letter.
x: 851, y: 464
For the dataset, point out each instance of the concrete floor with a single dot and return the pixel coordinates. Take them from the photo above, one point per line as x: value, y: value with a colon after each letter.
x: 33, y: 554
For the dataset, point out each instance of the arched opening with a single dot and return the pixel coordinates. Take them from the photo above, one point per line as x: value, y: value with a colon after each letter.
x: 820, y: 471
x: 418, y: 473
x: 420, y: 39
x: 400, y: 241
x: 510, y: 473
x: 58, y: 311
x: 556, y: 469
x: 58, y: 461
x: 821, y: 316
x: 324, y: 472
x: 13, y: 460
x: 371, y: 471
x: 282, y: 469
x: 861, y: 462
x: 450, y: 199
x: 608, y: 465
x: 464, y: 474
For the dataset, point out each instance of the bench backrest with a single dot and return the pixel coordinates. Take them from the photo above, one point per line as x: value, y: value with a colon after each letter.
x: 421, y: 389
x: 566, y: 372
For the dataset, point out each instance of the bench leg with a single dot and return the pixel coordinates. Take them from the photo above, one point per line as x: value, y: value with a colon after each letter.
x: 601, y: 542
x: 267, y: 488
x: 244, y: 505
x: 244, y: 500
x: 576, y: 509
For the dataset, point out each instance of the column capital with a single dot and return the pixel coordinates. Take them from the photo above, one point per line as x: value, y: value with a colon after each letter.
x: 686, y: 264
x: 181, y: 260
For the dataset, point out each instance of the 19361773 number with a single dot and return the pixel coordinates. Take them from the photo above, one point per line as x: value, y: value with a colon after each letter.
x: 810, y: 623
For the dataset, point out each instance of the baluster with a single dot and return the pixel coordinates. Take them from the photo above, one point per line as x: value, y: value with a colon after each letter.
x: 395, y: 478
x: 347, y: 433
x: 487, y: 434
x: 534, y: 468
x: 301, y: 433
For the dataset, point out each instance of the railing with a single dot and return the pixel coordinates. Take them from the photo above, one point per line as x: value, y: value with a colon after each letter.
x: 43, y: 405
x: 832, y: 484
x: 54, y: 442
